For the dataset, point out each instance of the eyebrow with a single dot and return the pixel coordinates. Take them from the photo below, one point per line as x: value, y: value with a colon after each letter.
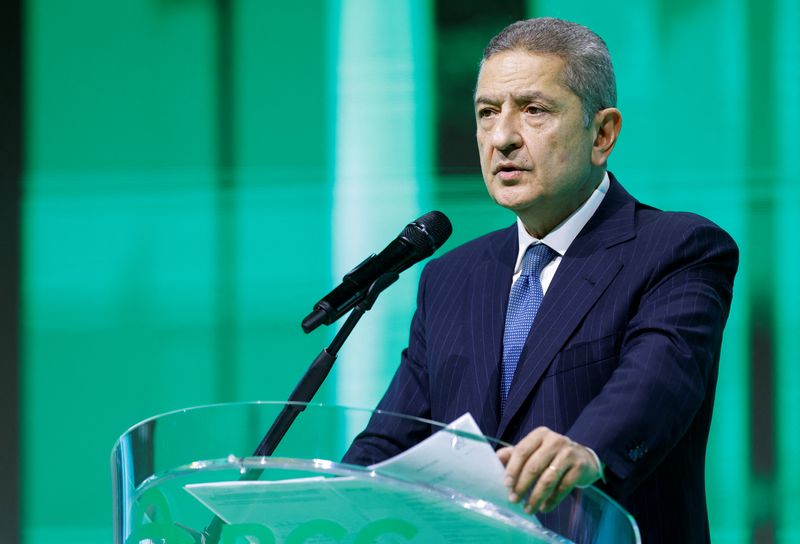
x: 533, y: 96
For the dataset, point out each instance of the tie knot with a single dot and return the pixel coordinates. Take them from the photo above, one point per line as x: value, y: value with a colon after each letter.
x: 536, y: 258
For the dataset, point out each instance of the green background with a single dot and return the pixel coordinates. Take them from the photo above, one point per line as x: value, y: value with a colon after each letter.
x: 199, y: 173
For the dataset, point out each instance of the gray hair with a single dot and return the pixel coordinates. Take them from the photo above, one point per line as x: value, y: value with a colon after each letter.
x: 587, y: 64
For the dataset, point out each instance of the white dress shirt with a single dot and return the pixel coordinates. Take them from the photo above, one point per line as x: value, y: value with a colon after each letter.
x: 561, y: 237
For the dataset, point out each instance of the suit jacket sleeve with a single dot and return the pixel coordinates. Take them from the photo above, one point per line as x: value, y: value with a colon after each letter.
x: 392, y: 428
x: 668, y: 359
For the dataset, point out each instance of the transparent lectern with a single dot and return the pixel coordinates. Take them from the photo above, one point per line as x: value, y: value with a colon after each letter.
x: 188, y: 477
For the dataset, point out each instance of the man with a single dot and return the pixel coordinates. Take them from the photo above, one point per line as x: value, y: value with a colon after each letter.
x: 600, y: 362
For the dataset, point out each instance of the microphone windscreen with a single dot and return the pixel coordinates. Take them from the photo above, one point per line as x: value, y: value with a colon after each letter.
x: 429, y: 231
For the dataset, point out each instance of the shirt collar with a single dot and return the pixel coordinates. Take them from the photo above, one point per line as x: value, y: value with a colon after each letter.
x: 561, y: 237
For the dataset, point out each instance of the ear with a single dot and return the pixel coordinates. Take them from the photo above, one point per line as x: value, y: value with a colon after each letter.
x: 607, y: 124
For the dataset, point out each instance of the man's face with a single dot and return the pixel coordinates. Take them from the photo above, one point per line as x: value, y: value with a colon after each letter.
x: 535, y: 153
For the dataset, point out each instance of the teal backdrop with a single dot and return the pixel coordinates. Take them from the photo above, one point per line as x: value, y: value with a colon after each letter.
x: 199, y: 172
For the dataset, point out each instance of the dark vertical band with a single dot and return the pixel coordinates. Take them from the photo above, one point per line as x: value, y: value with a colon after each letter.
x: 226, y: 206
x: 761, y: 184
x: 462, y: 29
x: 11, y: 164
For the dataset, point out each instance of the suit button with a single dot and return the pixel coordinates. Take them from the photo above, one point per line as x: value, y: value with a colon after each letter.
x: 636, y: 453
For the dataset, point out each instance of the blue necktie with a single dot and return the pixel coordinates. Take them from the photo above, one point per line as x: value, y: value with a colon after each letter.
x: 523, y: 303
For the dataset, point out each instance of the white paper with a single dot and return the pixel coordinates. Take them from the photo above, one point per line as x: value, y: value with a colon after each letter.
x: 467, y: 465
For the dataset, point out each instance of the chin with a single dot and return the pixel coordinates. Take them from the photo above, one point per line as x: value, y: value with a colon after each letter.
x: 513, y: 200
x: 517, y: 208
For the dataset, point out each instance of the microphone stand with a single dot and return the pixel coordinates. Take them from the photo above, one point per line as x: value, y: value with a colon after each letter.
x: 305, y: 390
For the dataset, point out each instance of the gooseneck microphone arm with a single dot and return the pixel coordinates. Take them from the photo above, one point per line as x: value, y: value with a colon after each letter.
x: 311, y: 381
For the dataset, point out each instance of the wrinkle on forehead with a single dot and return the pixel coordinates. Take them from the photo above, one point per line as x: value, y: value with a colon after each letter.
x: 520, y: 74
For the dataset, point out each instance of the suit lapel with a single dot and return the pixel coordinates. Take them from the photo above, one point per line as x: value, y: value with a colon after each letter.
x: 491, y: 283
x: 585, y: 272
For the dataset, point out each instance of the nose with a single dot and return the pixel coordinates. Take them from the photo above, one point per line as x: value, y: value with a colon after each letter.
x: 506, y: 136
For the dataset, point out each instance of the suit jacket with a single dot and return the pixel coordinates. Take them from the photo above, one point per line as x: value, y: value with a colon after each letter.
x: 622, y: 356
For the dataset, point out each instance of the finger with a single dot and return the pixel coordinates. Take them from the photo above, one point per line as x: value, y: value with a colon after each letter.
x: 553, y: 452
x: 579, y: 468
x: 583, y: 469
x: 521, y: 455
x: 534, y: 468
x: 504, y: 454
x: 565, y: 486
x: 521, y: 452
x: 546, y: 484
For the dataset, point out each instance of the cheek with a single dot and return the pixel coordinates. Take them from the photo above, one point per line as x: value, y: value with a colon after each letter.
x: 567, y: 153
x: 484, y: 155
x: 550, y: 152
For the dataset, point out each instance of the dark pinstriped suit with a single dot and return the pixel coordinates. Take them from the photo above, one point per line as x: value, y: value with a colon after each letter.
x: 622, y: 356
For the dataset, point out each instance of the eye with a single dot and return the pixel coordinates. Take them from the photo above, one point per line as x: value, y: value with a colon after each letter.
x: 533, y: 109
x: 483, y: 113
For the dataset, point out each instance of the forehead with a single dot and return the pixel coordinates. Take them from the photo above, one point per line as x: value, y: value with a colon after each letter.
x: 520, y: 73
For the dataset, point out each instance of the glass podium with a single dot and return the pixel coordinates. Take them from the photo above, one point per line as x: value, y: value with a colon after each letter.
x: 189, y: 477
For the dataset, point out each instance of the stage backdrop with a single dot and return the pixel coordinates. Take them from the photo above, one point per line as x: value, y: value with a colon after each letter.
x: 199, y: 173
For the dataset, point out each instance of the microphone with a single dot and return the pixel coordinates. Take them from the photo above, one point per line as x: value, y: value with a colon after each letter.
x: 418, y: 240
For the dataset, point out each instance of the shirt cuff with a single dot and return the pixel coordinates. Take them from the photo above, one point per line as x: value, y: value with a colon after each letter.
x: 600, y: 467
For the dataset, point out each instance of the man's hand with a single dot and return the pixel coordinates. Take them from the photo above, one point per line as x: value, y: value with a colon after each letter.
x: 551, y: 461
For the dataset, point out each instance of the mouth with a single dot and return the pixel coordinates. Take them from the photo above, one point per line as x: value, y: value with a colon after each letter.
x: 508, y: 172
x: 508, y: 168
